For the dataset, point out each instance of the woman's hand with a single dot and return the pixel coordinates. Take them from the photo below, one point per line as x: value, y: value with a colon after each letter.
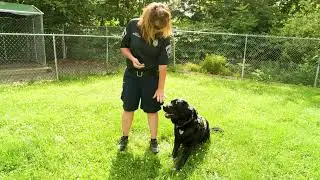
x: 159, y: 94
x: 137, y: 64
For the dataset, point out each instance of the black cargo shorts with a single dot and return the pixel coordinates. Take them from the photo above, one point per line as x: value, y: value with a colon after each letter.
x: 140, y: 86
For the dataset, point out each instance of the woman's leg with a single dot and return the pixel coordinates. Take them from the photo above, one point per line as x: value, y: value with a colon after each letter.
x: 153, y: 124
x: 127, y: 118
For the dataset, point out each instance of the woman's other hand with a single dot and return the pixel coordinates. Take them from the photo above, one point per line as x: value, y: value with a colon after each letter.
x: 159, y: 95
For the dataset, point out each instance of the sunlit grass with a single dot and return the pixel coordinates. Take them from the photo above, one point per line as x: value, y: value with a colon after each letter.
x: 70, y: 129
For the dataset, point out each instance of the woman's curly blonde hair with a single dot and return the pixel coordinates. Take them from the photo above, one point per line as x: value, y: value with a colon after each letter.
x: 155, y: 21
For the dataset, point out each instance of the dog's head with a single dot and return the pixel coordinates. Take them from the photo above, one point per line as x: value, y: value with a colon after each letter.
x: 179, y: 111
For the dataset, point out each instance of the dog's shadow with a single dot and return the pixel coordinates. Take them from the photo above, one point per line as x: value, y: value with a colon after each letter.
x: 128, y: 166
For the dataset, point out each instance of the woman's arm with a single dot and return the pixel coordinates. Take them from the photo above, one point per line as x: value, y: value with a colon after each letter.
x: 159, y: 94
x: 127, y: 53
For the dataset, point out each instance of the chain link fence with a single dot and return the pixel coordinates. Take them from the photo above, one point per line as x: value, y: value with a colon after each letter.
x: 66, y: 56
x: 26, y: 50
x: 265, y: 58
x: 84, y: 54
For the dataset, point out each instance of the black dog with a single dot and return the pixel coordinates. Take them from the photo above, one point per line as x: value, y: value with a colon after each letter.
x: 190, y: 129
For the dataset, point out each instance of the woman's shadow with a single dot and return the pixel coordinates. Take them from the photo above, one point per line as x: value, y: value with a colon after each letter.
x: 141, y: 166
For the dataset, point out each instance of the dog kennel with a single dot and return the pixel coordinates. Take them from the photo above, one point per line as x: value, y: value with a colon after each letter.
x: 20, y: 46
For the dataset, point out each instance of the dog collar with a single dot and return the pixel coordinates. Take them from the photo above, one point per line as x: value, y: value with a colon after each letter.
x: 186, y: 122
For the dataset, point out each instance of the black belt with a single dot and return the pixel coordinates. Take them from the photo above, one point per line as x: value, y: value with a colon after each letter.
x: 141, y: 73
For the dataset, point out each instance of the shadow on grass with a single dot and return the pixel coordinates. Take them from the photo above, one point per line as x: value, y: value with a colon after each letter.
x: 194, y: 161
x: 129, y: 166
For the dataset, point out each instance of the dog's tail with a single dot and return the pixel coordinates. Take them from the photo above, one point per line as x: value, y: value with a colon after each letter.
x: 216, y: 130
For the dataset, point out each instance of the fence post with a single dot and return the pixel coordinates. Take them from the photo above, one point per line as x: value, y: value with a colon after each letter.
x: 244, y: 56
x: 107, y: 50
x: 4, y: 48
x: 174, y: 50
x: 34, y: 41
x: 317, y: 74
x: 55, y: 55
x: 63, y: 45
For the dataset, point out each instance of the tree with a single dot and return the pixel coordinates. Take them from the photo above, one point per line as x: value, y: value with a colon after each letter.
x: 248, y: 16
x: 63, y: 12
x: 305, y: 23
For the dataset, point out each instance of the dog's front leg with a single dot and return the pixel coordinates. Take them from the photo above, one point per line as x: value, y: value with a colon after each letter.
x: 175, y: 148
x: 185, y: 155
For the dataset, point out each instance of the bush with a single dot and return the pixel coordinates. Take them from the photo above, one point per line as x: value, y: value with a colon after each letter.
x: 185, y: 67
x: 192, y: 67
x: 304, y: 74
x: 175, y: 68
x: 284, y: 72
x: 234, y: 69
x: 215, y: 64
x: 259, y: 75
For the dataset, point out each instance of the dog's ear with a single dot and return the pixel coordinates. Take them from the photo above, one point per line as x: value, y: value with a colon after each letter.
x: 193, y: 111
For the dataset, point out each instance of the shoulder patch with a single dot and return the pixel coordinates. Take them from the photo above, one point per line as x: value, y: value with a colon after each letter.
x: 136, y: 34
x: 168, y: 49
x: 124, y: 32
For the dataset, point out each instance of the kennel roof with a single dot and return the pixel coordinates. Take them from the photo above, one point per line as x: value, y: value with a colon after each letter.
x: 18, y: 9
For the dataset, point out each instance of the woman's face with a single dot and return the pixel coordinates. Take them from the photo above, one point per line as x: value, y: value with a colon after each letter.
x: 159, y: 18
x: 159, y: 24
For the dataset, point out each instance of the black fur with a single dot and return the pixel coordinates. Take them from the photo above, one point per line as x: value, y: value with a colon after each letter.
x: 190, y: 129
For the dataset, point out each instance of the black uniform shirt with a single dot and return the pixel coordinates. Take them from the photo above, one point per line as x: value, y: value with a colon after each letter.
x: 151, y: 55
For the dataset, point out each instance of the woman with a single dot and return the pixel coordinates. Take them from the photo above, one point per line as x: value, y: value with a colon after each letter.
x: 146, y: 46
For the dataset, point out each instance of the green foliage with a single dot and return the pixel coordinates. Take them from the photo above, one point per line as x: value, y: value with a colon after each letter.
x: 249, y: 16
x: 305, y: 23
x: 87, y: 12
x: 235, y: 69
x: 64, y: 12
x: 259, y: 75
x: 192, y: 67
x: 293, y: 73
x: 185, y: 68
x: 304, y: 74
x: 192, y: 47
x: 214, y: 64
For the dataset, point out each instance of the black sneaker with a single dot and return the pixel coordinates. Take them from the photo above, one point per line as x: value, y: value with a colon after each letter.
x: 123, y: 143
x: 154, y: 146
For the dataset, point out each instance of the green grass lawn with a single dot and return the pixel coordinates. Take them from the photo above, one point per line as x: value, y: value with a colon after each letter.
x: 70, y: 129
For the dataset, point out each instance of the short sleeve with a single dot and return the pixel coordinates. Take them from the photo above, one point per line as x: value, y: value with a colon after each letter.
x: 125, y: 42
x: 165, y: 52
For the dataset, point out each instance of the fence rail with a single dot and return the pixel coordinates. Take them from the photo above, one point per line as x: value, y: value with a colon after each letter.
x: 59, y: 35
x: 244, y: 35
x: 267, y: 58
